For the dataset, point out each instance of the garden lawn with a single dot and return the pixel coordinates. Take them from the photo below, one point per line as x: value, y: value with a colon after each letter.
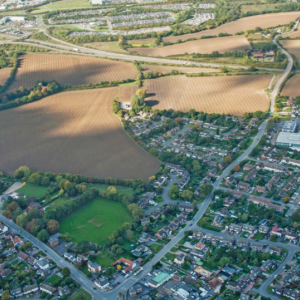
x: 32, y: 190
x: 81, y: 295
x: 53, y: 279
x: 95, y: 221
x: 57, y: 202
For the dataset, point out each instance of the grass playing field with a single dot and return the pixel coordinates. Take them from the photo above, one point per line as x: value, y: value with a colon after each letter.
x: 32, y: 190
x: 95, y: 221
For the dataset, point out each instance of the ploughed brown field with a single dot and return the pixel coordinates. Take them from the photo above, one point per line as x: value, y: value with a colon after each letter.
x: 125, y: 92
x: 222, y: 94
x: 74, y: 132
x: 292, y: 46
x: 291, y: 88
x: 4, y: 74
x: 243, y: 24
x: 294, y: 34
x: 206, y: 46
x: 184, y: 70
x: 70, y: 69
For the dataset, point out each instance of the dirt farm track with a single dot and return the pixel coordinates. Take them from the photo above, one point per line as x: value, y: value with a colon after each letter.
x: 248, y: 23
x: 213, y: 94
x: 70, y: 69
x: 74, y: 132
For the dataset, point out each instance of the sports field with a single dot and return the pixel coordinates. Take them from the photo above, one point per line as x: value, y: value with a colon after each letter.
x: 183, y: 70
x: 248, y: 23
x: 4, y: 74
x: 69, y: 69
x: 214, y: 94
x: 74, y: 132
x: 206, y: 46
x: 291, y: 88
x: 95, y: 221
x: 63, y: 4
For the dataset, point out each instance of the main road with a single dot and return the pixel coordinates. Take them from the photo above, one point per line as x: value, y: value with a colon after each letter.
x: 123, y: 287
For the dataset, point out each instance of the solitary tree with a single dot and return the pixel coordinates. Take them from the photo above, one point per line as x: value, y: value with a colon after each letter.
x: 66, y: 272
x: 5, y: 295
x: 53, y: 226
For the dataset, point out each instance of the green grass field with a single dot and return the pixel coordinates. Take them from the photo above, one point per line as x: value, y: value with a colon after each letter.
x: 105, y: 46
x: 57, y: 202
x: 81, y: 295
x: 64, y: 4
x: 32, y: 190
x: 95, y: 221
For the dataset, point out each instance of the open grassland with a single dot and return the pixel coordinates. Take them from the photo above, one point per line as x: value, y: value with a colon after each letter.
x: 70, y: 69
x: 263, y: 21
x: 222, y: 94
x: 184, y: 70
x: 74, y: 132
x: 292, y: 46
x: 271, y: 7
x: 291, y: 88
x: 105, y: 46
x: 95, y: 221
x: 64, y: 4
x: 206, y: 46
x: 148, y: 41
x: 4, y: 74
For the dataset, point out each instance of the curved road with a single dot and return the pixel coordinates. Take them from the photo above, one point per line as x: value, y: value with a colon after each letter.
x: 88, y: 284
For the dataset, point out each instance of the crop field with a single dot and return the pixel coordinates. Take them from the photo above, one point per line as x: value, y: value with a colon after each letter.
x: 295, y: 34
x: 4, y: 74
x: 125, y: 92
x: 70, y: 69
x: 248, y: 23
x: 95, y: 221
x: 292, y: 46
x: 74, y: 132
x: 222, y: 94
x: 291, y: 88
x: 205, y: 46
x: 184, y: 70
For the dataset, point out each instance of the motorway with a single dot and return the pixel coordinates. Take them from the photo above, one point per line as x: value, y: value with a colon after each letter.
x: 124, y: 286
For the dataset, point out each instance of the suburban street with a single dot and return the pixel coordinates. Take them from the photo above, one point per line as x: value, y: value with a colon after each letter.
x: 86, y: 283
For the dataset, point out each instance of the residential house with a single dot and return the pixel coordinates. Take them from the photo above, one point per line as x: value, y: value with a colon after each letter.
x: 101, y: 283
x: 243, y: 186
x: 93, y: 267
x: 130, y: 265
x: 260, y: 189
x: 203, y: 272
x: 256, y: 247
x: 274, y: 250
x: 22, y: 256
x: 50, y: 290
x: 30, y: 289
x: 53, y: 239
x: 43, y: 264
x: 263, y: 229
x: 179, y: 260
x: 248, y: 228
